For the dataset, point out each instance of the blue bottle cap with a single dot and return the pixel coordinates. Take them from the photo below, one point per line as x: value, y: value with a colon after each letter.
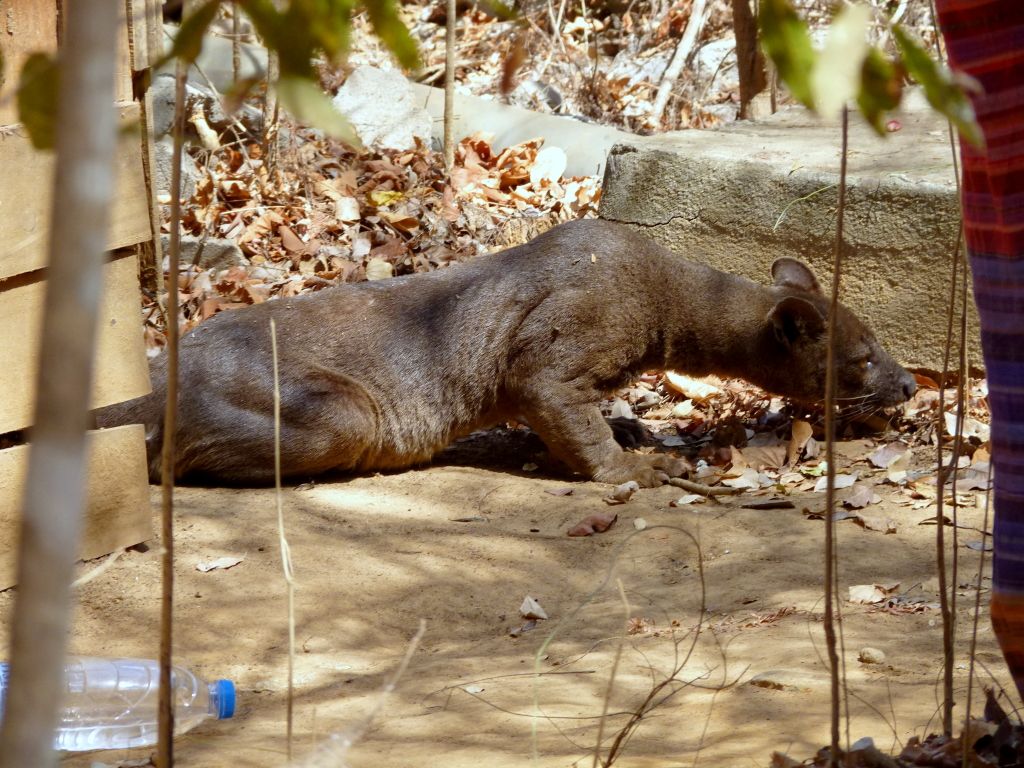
x: 225, y: 699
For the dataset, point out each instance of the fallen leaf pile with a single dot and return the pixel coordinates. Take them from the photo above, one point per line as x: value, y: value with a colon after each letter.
x: 329, y: 215
x: 751, y: 443
x: 599, y: 61
x: 992, y: 740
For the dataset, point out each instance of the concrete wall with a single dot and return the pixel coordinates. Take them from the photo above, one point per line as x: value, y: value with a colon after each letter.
x: 740, y: 197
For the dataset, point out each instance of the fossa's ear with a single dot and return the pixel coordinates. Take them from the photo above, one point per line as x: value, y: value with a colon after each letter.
x: 793, y: 273
x: 794, y: 319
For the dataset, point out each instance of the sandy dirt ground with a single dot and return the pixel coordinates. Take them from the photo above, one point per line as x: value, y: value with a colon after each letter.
x: 460, y: 547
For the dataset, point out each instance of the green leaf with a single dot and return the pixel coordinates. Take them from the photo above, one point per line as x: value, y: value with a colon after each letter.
x: 787, y: 43
x: 333, y: 28
x: 881, y: 88
x: 37, y: 99
x: 188, y: 43
x: 835, y: 78
x: 392, y: 32
x: 310, y: 106
x: 939, y: 88
x: 266, y: 19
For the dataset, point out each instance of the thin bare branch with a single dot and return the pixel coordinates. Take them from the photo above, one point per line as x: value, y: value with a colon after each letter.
x: 449, y: 87
x: 165, y: 730
x: 699, y: 13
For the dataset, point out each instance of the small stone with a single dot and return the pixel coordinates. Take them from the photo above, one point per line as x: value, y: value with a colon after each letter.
x: 163, y: 152
x: 870, y: 656
x: 217, y: 252
x: 623, y: 493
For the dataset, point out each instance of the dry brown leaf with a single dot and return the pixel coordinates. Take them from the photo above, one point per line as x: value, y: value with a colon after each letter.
x: 765, y: 456
x: 894, y: 455
x: 402, y: 222
x: 379, y: 269
x: 234, y: 190
x: 801, y: 433
x: 592, y: 524
x: 567, y: 491
x: 291, y: 242
x: 878, y: 523
x: 692, y: 388
x: 872, y: 593
x: 839, y: 482
x: 748, y: 478
x: 860, y: 496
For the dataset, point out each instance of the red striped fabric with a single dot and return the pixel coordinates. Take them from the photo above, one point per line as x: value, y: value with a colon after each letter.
x: 985, y: 38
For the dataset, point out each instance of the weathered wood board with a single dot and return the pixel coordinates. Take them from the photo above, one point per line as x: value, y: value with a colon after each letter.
x: 121, y: 371
x: 30, y: 26
x: 117, y: 513
x: 147, y: 30
x: 123, y: 65
x: 26, y: 26
x: 26, y: 192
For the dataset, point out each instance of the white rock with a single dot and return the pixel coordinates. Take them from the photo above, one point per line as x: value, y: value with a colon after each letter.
x: 381, y: 106
x: 717, y: 59
x: 871, y: 656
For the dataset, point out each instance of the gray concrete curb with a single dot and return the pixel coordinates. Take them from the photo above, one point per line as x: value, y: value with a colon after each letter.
x: 739, y: 197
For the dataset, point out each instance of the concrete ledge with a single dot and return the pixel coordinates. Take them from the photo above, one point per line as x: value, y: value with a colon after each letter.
x: 739, y: 197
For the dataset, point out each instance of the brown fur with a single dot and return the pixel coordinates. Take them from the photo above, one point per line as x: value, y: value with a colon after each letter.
x: 385, y: 374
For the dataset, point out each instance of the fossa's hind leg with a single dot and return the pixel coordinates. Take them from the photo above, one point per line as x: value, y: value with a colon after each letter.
x: 328, y: 422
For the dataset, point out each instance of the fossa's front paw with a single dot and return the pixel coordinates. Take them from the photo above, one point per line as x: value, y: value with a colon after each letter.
x: 648, y: 470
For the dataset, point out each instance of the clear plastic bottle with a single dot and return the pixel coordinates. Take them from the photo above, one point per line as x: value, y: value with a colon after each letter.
x: 112, y: 703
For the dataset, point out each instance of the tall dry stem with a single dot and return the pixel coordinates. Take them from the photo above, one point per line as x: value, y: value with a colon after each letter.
x: 286, y: 553
x: 54, y: 497
x: 830, y: 416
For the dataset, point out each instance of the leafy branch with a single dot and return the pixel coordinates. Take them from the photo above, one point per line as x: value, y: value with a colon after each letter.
x: 299, y: 32
x: 849, y: 68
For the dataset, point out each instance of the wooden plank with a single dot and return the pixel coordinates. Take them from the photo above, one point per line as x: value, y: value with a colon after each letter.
x: 123, y: 65
x: 26, y: 26
x: 146, y: 31
x: 138, y: 33
x: 121, y: 369
x: 117, y: 513
x: 149, y: 171
x: 26, y: 192
x: 157, y: 43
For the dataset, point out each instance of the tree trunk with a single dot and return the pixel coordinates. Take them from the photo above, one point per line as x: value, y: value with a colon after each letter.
x: 749, y: 59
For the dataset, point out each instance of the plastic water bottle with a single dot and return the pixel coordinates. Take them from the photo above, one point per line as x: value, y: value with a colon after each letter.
x: 112, y: 703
